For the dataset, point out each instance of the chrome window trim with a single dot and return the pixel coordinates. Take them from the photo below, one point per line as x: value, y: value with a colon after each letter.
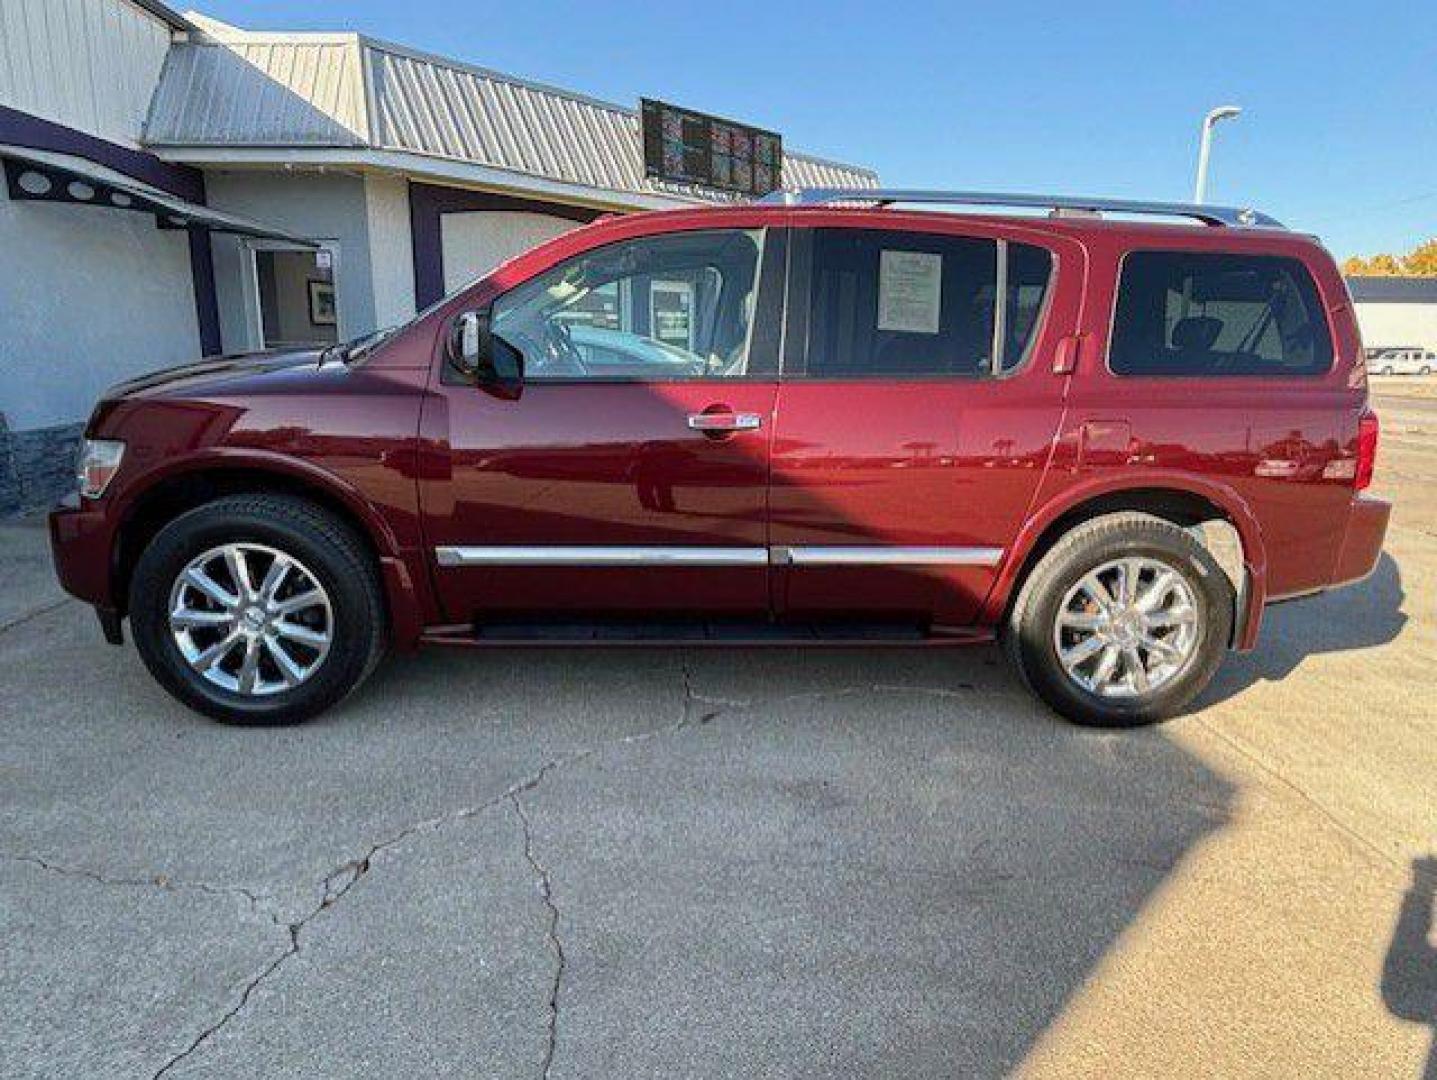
x: 597, y: 555
x: 885, y: 555
x: 1000, y: 309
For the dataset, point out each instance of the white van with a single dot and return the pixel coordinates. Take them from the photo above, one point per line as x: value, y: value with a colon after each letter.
x: 1401, y: 361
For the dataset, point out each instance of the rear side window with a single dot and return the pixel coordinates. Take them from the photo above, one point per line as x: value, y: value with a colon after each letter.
x: 891, y: 304
x: 1187, y: 314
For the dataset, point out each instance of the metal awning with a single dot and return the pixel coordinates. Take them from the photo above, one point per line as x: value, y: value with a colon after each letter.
x: 45, y: 176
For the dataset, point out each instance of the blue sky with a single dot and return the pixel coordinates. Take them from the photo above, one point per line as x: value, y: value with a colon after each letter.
x: 1338, y: 137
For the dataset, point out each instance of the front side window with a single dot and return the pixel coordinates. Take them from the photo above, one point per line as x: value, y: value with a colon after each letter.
x: 655, y: 309
x: 894, y: 304
x: 1189, y: 314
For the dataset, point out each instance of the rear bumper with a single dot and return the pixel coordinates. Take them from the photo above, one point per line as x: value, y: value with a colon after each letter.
x: 81, y: 538
x: 1362, y: 542
x: 1357, y: 558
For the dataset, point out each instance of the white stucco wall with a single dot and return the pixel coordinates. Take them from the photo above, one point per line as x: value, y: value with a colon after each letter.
x: 87, y: 64
x: 1397, y: 324
x: 330, y: 208
x: 391, y: 247
x: 88, y: 297
x: 475, y: 242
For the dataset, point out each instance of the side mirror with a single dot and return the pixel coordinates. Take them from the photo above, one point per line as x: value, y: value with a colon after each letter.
x: 470, y: 343
x: 477, y: 354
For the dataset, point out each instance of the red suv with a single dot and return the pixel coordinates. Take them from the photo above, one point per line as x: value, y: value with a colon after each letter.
x: 823, y: 420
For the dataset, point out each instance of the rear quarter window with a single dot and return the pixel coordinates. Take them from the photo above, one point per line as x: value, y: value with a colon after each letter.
x: 1186, y: 314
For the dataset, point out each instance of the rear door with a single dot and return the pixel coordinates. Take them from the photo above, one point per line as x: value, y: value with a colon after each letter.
x: 916, y: 413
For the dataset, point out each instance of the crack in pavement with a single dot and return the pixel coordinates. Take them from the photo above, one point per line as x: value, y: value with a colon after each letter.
x: 1374, y: 851
x: 546, y: 891
x: 340, y: 880
x: 34, y: 613
x: 257, y: 902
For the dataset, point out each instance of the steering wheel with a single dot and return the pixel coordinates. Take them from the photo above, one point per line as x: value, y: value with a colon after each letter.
x: 561, y: 358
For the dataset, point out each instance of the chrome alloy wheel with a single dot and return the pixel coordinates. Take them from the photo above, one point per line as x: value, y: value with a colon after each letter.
x: 1128, y: 628
x: 251, y: 619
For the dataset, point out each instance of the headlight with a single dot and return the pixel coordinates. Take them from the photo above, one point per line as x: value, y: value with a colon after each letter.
x: 97, y: 464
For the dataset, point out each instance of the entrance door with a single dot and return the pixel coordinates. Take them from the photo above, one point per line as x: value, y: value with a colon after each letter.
x: 627, y: 473
x: 296, y: 297
x: 916, y: 415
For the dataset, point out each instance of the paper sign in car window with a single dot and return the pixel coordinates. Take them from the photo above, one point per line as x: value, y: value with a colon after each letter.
x: 910, y: 288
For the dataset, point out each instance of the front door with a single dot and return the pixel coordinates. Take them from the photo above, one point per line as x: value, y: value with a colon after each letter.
x: 626, y: 474
x: 916, y: 414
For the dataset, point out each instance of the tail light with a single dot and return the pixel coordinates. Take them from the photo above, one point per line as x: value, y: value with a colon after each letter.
x: 1367, y: 428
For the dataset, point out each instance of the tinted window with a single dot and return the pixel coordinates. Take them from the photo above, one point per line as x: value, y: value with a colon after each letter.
x: 659, y: 308
x: 1027, y: 272
x: 1186, y: 314
x: 910, y: 304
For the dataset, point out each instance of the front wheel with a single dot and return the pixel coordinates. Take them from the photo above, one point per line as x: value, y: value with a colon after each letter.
x: 1122, y: 622
x: 257, y: 609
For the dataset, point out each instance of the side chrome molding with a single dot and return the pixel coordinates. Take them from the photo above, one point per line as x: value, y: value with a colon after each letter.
x: 881, y: 555
x: 585, y: 555
x: 667, y: 555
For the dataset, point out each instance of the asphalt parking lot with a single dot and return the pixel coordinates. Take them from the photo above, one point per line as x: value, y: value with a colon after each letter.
x: 729, y: 863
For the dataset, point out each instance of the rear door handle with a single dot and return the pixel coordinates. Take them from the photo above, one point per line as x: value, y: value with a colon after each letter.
x: 724, y: 422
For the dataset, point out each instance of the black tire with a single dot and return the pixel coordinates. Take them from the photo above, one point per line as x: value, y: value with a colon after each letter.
x: 1029, y: 632
x: 327, y: 547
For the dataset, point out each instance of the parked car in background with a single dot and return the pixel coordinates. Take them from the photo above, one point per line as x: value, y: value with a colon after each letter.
x: 1401, y: 361
x: 1106, y: 444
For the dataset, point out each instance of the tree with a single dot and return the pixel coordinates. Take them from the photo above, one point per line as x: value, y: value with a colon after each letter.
x: 1421, y: 261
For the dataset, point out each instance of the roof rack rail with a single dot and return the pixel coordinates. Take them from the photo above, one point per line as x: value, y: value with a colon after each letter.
x: 1209, y: 215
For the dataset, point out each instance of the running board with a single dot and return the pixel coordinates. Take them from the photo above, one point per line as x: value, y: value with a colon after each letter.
x: 698, y: 635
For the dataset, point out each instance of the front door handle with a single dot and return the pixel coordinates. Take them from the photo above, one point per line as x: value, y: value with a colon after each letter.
x: 722, y: 423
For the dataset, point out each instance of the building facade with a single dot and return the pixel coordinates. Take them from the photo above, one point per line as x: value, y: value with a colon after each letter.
x: 1395, y: 313
x: 177, y: 187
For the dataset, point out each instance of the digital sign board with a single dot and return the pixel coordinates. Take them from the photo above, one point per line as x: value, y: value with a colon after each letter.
x: 686, y: 147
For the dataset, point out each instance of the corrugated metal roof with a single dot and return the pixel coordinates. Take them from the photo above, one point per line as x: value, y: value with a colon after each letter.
x: 260, y: 91
x: 1393, y: 290
x: 429, y: 105
x: 237, y: 89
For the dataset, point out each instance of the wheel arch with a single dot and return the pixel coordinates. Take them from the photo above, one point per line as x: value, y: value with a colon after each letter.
x: 205, y: 478
x: 1188, y: 501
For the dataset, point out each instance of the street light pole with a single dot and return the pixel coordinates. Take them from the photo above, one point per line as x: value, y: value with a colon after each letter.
x: 1222, y: 112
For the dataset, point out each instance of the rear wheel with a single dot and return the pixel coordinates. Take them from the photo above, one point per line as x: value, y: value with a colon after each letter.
x: 257, y: 609
x: 1122, y: 622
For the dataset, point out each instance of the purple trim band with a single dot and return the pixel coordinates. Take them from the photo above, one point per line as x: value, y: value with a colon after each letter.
x: 428, y: 203
x: 207, y: 305
x: 22, y: 129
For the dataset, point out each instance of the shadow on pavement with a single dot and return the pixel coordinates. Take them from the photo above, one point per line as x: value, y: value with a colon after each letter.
x: 1361, y: 616
x: 846, y: 864
x: 1409, y: 976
